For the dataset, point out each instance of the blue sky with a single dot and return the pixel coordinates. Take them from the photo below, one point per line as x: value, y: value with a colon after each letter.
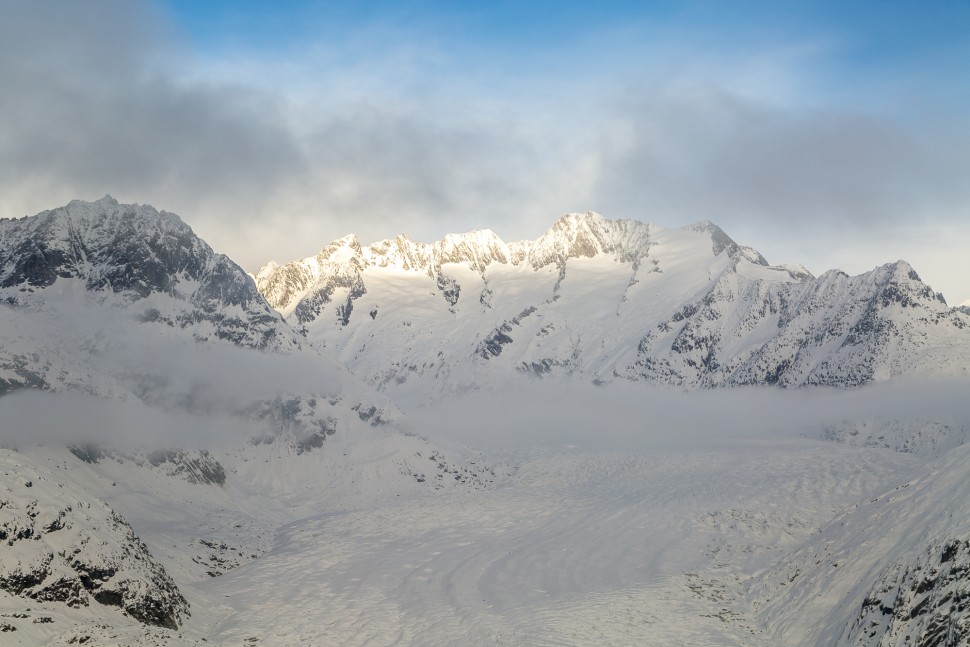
x: 832, y: 134
x: 852, y: 44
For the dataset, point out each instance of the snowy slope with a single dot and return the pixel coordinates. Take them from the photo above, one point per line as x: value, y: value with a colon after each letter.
x: 602, y: 300
x: 892, y: 571
x: 66, y: 551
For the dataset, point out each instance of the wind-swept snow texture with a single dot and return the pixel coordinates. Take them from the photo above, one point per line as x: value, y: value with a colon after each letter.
x: 606, y: 300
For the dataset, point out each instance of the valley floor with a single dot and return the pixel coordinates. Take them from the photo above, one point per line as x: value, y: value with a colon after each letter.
x: 646, y: 543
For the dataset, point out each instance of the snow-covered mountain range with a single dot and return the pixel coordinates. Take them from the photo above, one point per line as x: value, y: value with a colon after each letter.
x: 127, y: 341
x: 606, y: 300
x: 191, y: 455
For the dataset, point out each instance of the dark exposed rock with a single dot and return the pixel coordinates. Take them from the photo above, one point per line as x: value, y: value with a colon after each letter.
x: 136, y: 251
x: 297, y: 420
x: 196, y: 467
x: 450, y: 289
x: 87, y: 452
x: 370, y: 414
x: 924, y: 597
x: 492, y: 345
x: 95, y: 556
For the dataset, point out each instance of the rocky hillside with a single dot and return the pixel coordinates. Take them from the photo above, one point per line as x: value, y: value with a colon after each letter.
x: 61, y: 545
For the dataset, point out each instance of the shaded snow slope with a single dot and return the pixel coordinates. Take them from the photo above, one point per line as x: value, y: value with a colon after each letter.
x: 602, y: 300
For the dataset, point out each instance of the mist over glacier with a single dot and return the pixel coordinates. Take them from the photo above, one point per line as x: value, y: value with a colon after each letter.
x: 37, y: 418
x: 634, y: 417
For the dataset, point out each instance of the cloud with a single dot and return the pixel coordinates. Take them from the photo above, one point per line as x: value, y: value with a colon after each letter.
x: 706, y: 151
x: 273, y: 153
x: 829, y: 188
x: 106, y: 100
x: 36, y: 417
x: 134, y: 384
x: 98, y: 106
x: 623, y: 417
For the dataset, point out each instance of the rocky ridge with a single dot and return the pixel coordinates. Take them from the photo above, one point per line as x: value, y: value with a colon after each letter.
x: 610, y: 299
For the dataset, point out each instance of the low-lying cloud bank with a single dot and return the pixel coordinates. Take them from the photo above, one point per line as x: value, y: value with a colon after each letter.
x: 33, y: 417
x: 637, y: 417
x: 202, y: 411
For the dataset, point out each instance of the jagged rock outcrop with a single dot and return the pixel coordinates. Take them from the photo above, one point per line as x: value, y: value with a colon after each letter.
x: 195, y: 466
x: 921, y: 600
x: 62, y: 545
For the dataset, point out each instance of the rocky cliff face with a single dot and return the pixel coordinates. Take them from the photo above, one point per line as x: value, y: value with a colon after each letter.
x: 61, y: 545
x: 609, y: 300
x: 836, y: 330
x: 149, y: 261
x: 921, y: 600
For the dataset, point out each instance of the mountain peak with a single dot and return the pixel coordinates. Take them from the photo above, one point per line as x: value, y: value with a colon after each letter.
x: 702, y: 225
x: 137, y: 253
x: 574, y: 219
x: 106, y: 201
x: 341, y: 250
x: 719, y: 238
